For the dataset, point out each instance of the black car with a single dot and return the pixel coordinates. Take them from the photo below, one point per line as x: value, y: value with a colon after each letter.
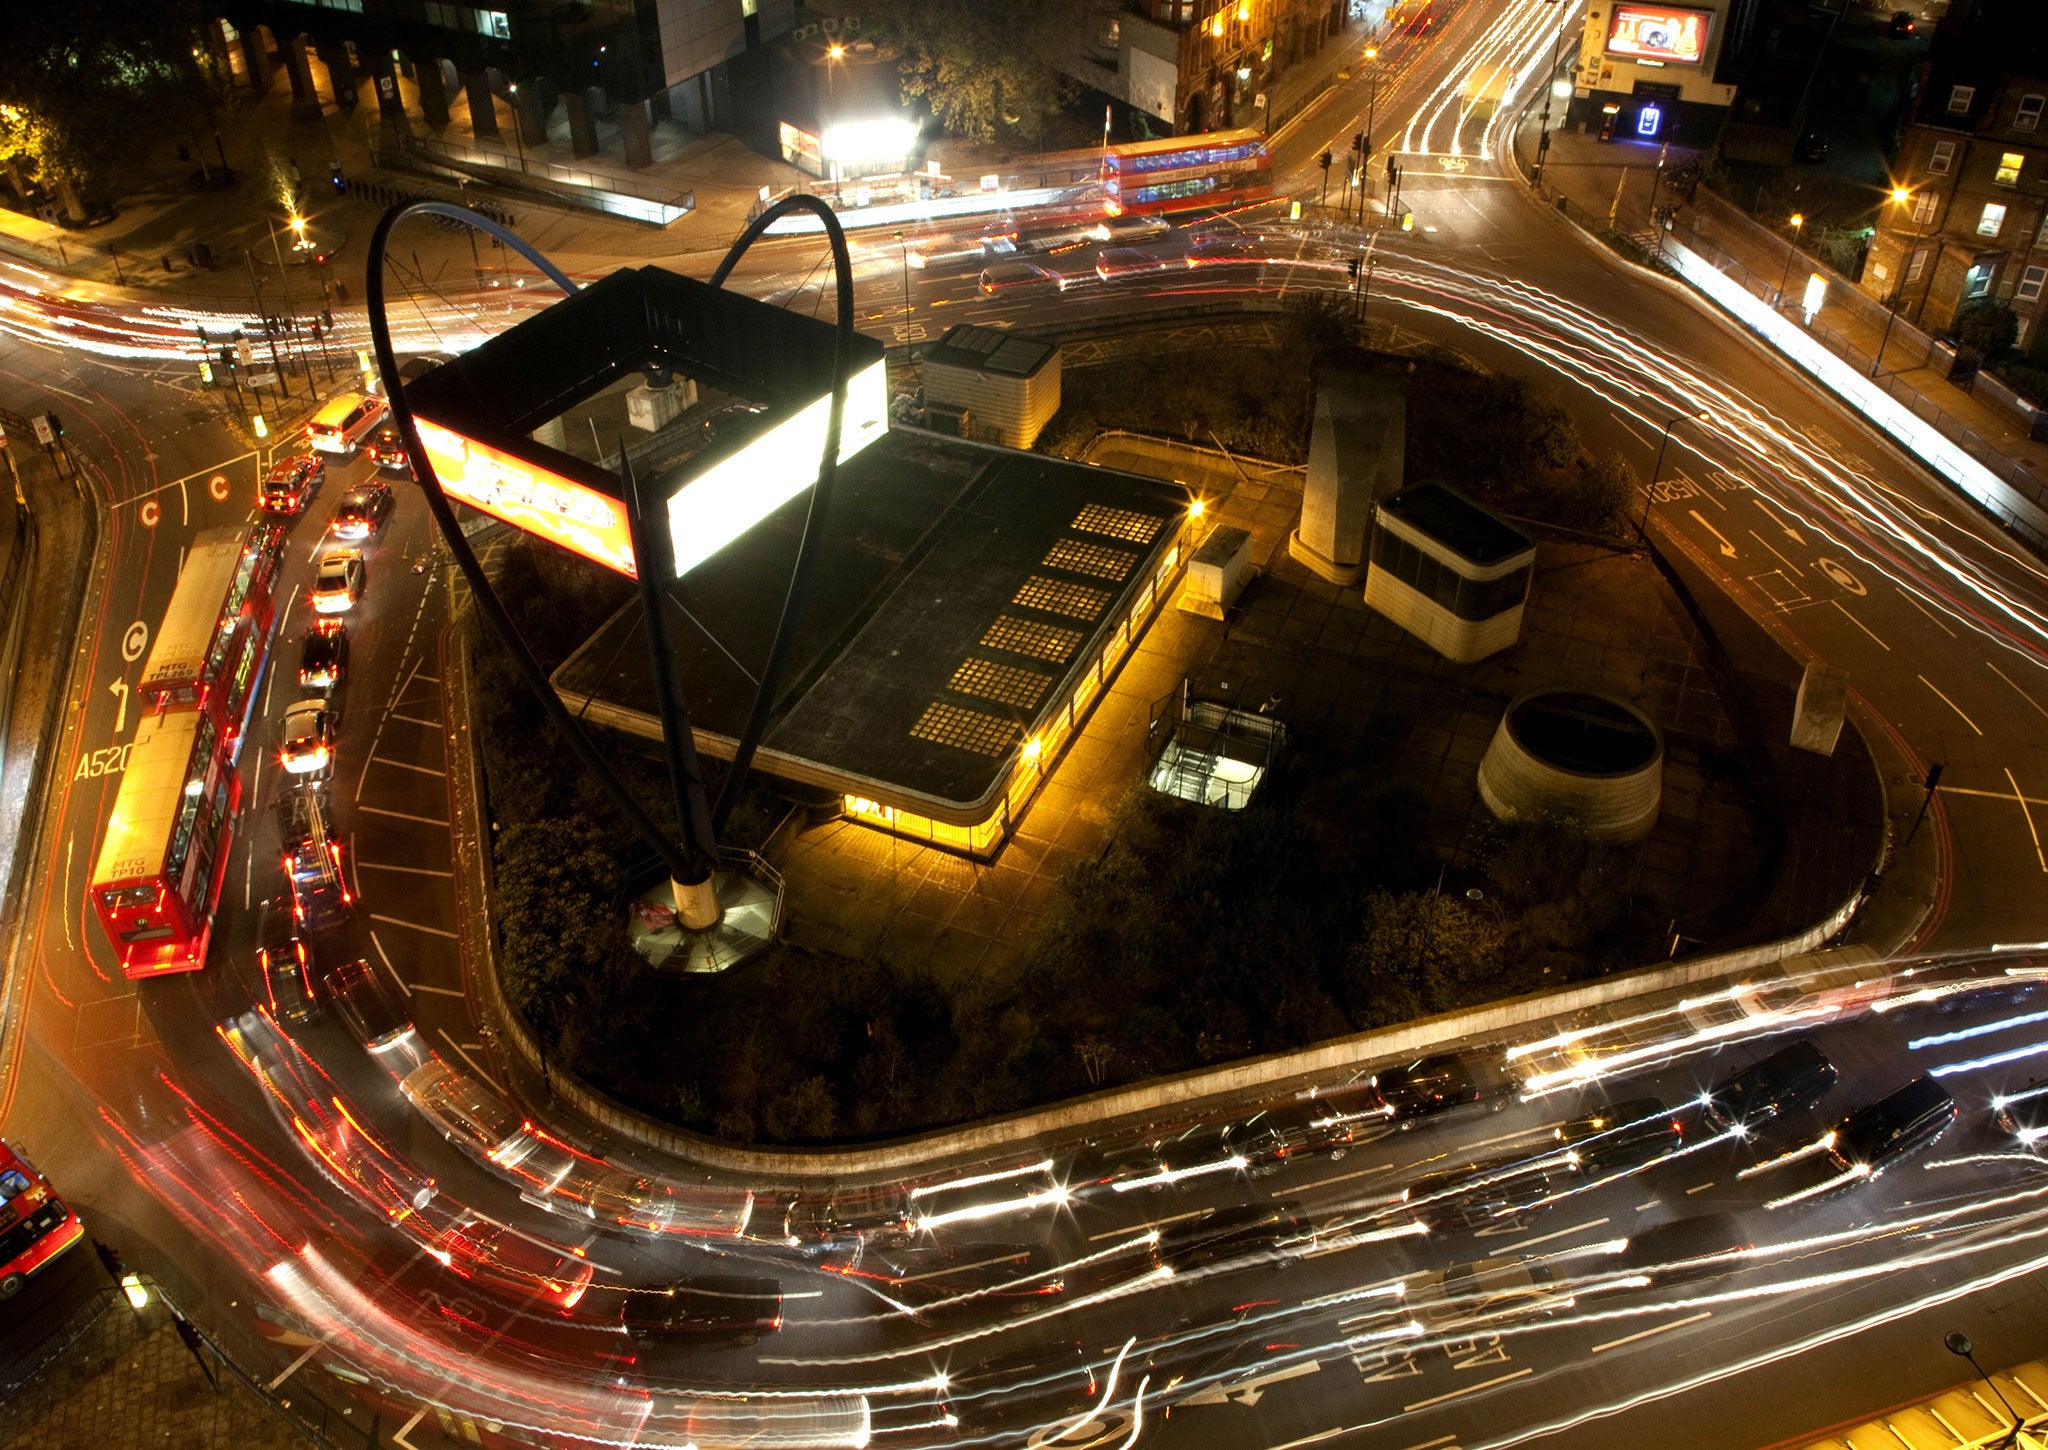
x: 1439, y: 1084
x: 1216, y: 1148
x: 1057, y: 1379
x: 366, y: 1006
x: 739, y: 1307
x: 1486, y: 1195
x: 1685, y: 1249
x: 285, y: 964
x: 323, y: 658
x: 1307, y: 1129
x: 361, y: 512
x: 1795, y: 1077
x: 1619, y: 1136
x: 2023, y: 1114
x: 1871, y: 1139
x: 1240, y: 1235
x: 387, y: 450
x: 1903, y: 24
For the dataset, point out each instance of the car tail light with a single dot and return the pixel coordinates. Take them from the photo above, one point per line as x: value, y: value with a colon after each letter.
x: 776, y: 1322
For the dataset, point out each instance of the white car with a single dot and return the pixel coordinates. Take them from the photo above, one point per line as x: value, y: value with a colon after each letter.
x: 339, y: 584
x: 308, y: 747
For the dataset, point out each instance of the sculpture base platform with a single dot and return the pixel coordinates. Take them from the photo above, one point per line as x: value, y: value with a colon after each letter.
x: 1342, y: 575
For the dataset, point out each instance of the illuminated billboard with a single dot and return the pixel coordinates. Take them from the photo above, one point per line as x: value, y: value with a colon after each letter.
x: 1661, y: 34
x: 529, y: 497
x: 737, y: 492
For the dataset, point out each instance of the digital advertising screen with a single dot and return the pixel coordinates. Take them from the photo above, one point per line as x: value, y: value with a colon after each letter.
x: 1661, y: 33
x: 530, y: 498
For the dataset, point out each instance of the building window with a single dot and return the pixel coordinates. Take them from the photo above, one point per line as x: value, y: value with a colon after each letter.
x: 1918, y: 265
x: 2009, y: 164
x: 1977, y: 281
x: 1959, y: 99
x: 2031, y: 282
x: 1992, y: 221
x: 1943, y: 158
x: 2029, y: 113
x: 1923, y: 208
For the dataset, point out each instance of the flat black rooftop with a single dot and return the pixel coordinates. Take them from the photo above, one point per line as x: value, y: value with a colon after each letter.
x: 1457, y: 523
x: 958, y: 591
x: 990, y: 350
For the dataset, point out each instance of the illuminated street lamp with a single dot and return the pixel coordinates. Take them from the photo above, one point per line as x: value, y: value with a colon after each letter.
x: 1564, y: 11
x: 903, y: 247
x: 517, y: 139
x: 1958, y: 1343
x: 1900, y: 196
x: 1791, y: 251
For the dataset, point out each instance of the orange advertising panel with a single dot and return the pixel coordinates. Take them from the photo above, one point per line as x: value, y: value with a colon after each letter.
x: 531, y: 498
x: 1660, y: 33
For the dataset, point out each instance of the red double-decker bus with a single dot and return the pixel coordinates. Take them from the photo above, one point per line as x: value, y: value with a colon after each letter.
x: 214, y: 642
x: 158, y: 875
x: 35, y: 1225
x: 1177, y: 173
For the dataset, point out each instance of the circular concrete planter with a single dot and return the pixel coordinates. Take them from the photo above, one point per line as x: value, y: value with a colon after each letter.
x: 1577, y: 755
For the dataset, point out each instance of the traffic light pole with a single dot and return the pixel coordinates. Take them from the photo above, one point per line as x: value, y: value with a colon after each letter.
x: 269, y: 335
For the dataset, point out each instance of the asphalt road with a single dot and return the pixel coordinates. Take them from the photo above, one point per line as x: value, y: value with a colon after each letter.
x: 138, y: 1109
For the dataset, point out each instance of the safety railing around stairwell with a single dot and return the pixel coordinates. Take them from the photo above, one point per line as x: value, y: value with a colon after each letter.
x: 586, y: 185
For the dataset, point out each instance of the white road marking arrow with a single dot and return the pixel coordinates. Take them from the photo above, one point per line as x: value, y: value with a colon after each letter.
x: 1252, y: 1391
x: 1727, y: 548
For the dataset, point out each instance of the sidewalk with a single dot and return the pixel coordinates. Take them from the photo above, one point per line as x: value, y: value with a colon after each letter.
x: 1968, y: 1417
x: 1591, y: 181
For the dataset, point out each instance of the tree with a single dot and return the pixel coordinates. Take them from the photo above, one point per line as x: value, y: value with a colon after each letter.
x: 983, y: 66
x: 82, y: 84
x: 1988, y: 325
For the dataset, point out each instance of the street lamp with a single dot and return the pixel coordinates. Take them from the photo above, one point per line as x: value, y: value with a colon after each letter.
x: 517, y: 139
x: 1791, y: 251
x: 903, y: 247
x: 1564, y: 11
x: 1372, y: 97
x: 1900, y: 196
x: 1657, y: 468
x: 1958, y: 1343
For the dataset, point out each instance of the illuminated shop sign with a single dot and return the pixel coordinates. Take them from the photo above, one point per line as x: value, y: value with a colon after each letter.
x: 1661, y: 34
x: 529, y: 497
x: 740, y: 490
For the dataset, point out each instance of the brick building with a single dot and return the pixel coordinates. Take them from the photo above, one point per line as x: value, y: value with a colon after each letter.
x: 1973, y: 170
x: 1182, y: 66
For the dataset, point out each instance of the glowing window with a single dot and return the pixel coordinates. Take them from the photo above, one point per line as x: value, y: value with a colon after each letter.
x: 1018, y: 636
x: 1125, y: 524
x: 1992, y: 221
x: 964, y: 729
x: 2009, y: 164
x: 1057, y: 596
x: 1012, y: 685
x: 1077, y: 557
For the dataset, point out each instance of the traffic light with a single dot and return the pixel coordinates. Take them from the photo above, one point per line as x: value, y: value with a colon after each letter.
x: 228, y: 361
x: 206, y: 372
x: 1393, y: 171
x: 1358, y: 142
x: 1324, y: 160
x: 314, y: 328
x: 1353, y: 265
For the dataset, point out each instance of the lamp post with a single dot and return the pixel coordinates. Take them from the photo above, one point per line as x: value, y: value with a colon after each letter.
x: 903, y: 248
x: 517, y: 140
x: 1958, y: 1343
x: 1900, y: 196
x: 1791, y: 251
x: 1657, y: 468
x: 1564, y: 11
x: 1372, y: 98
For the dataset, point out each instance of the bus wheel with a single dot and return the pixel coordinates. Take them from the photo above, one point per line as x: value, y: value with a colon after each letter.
x: 10, y: 1285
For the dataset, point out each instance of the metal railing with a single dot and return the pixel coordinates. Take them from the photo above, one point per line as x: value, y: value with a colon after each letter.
x: 585, y: 185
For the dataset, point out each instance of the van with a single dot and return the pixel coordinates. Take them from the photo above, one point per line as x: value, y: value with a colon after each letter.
x: 343, y: 422
x: 1242, y: 1234
x: 1793, y: 1078
x: 739, y: 1307
x: 1870, y: 1139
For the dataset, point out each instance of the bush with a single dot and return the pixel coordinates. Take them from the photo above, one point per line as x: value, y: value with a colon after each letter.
x: 1988, y: 325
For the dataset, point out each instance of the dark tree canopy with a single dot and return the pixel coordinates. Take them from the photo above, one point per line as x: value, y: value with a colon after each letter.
x: 984, y: 66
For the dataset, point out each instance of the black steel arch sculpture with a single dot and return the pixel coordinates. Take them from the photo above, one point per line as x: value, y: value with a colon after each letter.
x: 689, y: 861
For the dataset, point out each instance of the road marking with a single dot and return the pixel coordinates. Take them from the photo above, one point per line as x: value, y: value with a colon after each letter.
x: 415, y: 720
x: 416, y: 926
x: 474, y: 1067
x: 407, y: 765
x: 1128, y: 1232
x: 1993, y: 795
x: 1908, y: 595
x: 1468, y: 1390
x: 1783, y: 523
x: 437, y: 991
x: 398, y: 1436
x: 1781, y: 558
x: 291, y: 1369
x: 2022, y: 693
x: 403, y: 816
x: 430, y: 679
x: 408, y: 870
x: 1294, y: 1189
x: 1432, y: 1444
x: 2030, y: 819
x: 386, y: 957
x: 1701, y: 1189
x: 1561, y: 1233
x: 1727, y: 549
x: 1950, y: 703
x: 1320, y: 1436
x: 1659, y: 1329
x: 1862, y: 626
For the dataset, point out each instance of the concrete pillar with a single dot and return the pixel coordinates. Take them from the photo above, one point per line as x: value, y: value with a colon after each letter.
x: 305, y: 99
x: 341, y: 74
x: 1356, y: 456
x: 529, y: 114
x: 582, y: 131
x: 433, y: 94
x: 384, y: 80
x: 697, y: 904
x: 483, y: 106
x: 257, y: 53
x: 639, y: 143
